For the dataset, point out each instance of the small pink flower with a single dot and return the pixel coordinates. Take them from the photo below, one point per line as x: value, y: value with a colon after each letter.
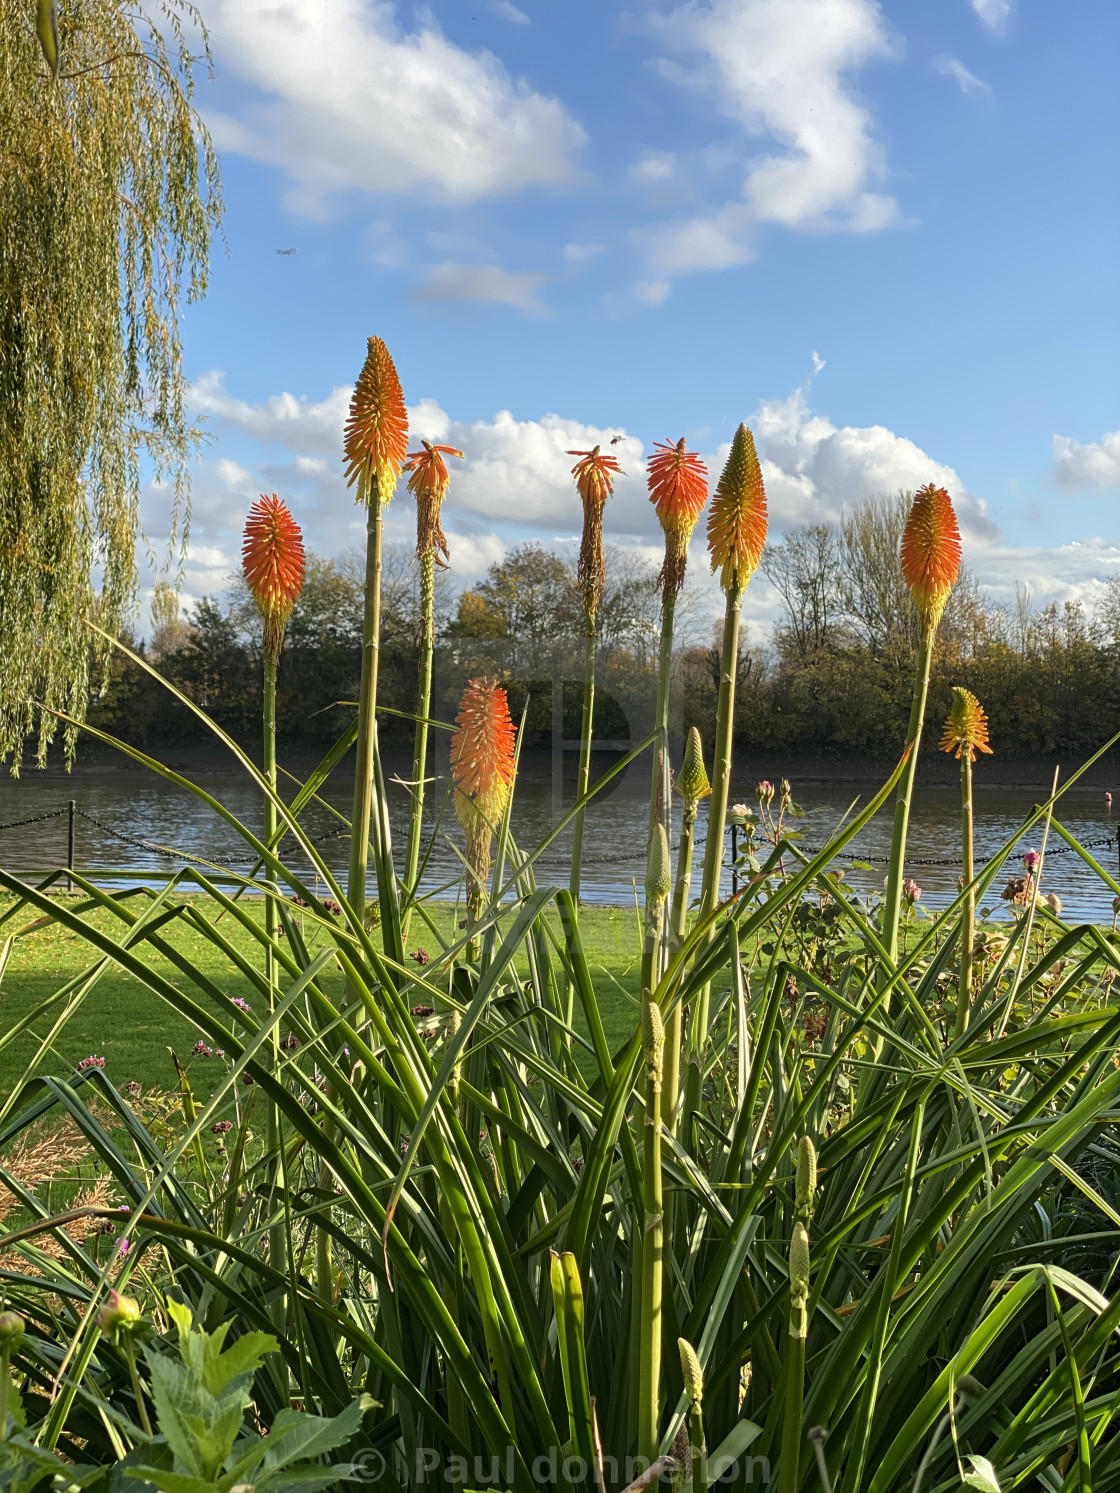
x: 765, y: 791
x: 911, y: 891
x: 91, y: 1062
x: 200, y: 1050
x: 242, y: 1005
x: 123, y: 1247
x: 1031, y: 860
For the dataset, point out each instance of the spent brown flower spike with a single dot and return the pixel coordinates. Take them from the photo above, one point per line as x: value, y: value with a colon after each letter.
x: 594, y: 472
x: 428, y: 481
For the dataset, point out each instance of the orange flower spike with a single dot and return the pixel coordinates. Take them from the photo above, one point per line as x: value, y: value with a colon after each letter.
x: 678, y: 490
x: 737, y: 520
x: 376, y: 437
x: 966, y: 726
x: 594, y: 473
x: 482, y: 769
x: 429, y: 480
x: 273, y: 564
x: 931, y: 552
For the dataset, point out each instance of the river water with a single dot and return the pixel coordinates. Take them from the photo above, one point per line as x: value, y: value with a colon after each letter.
x: 117, y: 808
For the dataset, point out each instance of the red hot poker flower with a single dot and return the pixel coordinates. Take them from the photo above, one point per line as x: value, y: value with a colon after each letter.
x: 594, y: 473
x: 931, y: 553
x: 429, y: 481
x: 273, y: 564
x: 482, y: 769
x: 737, y: 519
x: 376, y: 436
x: 678, y: 489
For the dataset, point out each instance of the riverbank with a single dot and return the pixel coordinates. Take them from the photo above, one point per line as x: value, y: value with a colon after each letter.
x: 81, y: 1008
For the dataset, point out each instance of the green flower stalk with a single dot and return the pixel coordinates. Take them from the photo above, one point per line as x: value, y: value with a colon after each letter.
x: 274, y: 566
x: 930, y: 560
x: 966, y: 733
x: 693, y: 787
x: 594, y: 473
x: 737, y: 524
x: 375, y: 444
x: 652, y: 1235
x: 799, y: 1267
x: 12, y: 1328
x: 429, y: 481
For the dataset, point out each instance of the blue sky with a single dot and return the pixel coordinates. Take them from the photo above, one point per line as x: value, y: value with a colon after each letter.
x: 885, y: 234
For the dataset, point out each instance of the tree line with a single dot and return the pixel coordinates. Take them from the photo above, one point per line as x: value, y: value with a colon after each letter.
x: 834, y: 678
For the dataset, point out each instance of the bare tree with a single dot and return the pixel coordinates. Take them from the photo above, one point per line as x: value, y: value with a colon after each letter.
x: 807, y: 570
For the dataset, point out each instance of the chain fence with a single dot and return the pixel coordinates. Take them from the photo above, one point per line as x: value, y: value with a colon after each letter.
x: 169, y: 852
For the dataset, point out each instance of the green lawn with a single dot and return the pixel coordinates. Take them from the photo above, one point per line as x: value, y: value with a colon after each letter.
x: 115, y: 1017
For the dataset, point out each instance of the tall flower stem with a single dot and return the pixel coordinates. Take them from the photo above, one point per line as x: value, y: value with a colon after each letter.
x: 594, y: 474
x: 660, y: 775
x: 428, y: 481
x: 420, y: 740
x: 367, y: 713
x: 717, y: 824
x: 587, y: 723
x: 968, y: 915
x: 653, y: 1235
x: 966, y: 733
x: 892, y: 907
x: 273, y: 565
x: 693, y: 785
x: 277, y: 1241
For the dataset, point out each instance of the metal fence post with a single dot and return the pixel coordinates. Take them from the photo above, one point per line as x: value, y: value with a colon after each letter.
x: 70, y: 847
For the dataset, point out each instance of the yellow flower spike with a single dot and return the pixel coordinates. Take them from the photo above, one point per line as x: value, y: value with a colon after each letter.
x: 737, y: 519
x: 692, y: 780
x: 966, y: 726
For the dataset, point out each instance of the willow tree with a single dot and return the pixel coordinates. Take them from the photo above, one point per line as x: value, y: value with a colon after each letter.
x: 109, y: 196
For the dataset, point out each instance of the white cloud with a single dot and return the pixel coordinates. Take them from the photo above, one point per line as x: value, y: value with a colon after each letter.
x: 581, y: 253
x: 1087, y: 463
x: 515, y: 484
x: 814, y: 469
x: 653, y: 168
x: 349, y: 99
x: 968, y: 83
x: 780, y: 69
x: 993, y: 13
x: 506, y: 11
x: 482, y: 282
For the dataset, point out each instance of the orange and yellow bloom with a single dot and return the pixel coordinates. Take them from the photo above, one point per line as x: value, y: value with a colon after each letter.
x: 737, y: 519
x: 482, y: 770
x: 966, y: 726
x: 678, y: 490
x: 376, y: 436
x: 931, y: 553
x: 273, y: 564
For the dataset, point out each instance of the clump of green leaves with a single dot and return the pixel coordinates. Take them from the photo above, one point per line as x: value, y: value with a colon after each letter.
x: 201, y: 1398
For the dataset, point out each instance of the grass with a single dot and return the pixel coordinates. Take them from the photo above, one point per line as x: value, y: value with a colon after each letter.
x: 132, y: 1029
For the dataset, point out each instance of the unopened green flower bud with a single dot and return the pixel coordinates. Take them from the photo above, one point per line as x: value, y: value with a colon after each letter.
x: 806, y: 1178
x: 653, y: 1034
x: 692, y: 780
x: 691, y: 1371
x: 659, y: 873
x: 11, y: 1327
x: 119, y: 1314
x: 799, y: 1260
